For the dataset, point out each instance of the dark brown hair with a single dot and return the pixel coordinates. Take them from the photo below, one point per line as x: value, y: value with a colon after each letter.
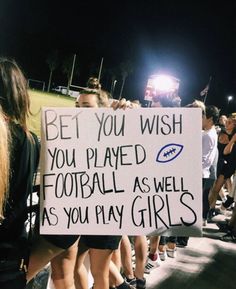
x: 14, y: 98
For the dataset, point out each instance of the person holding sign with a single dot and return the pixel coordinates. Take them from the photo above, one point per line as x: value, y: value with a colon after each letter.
x: 47, y: 247
x: 101, y: 248
x: 164, y: 93
x: 19, y: 153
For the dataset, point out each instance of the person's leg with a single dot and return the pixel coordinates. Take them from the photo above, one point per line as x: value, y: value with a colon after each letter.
x: 116, y: 258
x: 140, y: 248
x: 205, y: 206
x: 171, y: 246
x: 230, y: 197
x: 41, y: 254
x: 207, y: 185
x: 153, y: 260
x: 80, y: 272
x: 215, y: 191
x: 162, y: 244
x: 115, y: 278
x: 126, y: 258
x: 62, y: 267
x: 222, y: 194
x: 154, y: 243
x: 171, y: 242
x: 99, y: 262
x: 232, y: 221
x: 162, y: 248
x: 228, y: 184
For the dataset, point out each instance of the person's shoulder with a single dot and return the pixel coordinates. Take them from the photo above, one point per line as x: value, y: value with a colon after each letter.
x: 23, y: 138
x: 35, y: 141
x: 214, y: 131
x: 18, y: 134
x: 35, y: 138
x: 206, y: 134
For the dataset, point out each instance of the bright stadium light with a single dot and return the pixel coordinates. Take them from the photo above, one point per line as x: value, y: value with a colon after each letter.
x: 164, y: 83
x: 229, y: 98
x: 160, y: 84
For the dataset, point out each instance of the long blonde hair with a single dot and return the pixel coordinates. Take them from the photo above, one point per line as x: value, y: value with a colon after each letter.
x: 4, y: 163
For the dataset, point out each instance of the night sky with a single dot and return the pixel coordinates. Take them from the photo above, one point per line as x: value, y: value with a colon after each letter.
x: 191, y: 40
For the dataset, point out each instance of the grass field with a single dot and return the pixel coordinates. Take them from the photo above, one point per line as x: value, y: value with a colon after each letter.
x: 40, y: 99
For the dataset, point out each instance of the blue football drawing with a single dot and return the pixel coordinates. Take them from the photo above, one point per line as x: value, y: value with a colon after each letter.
x: 169, y: 152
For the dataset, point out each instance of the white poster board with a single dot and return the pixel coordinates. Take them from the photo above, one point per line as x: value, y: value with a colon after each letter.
x: 133, y: 172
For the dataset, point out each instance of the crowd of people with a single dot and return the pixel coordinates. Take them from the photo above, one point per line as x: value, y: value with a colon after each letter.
x: 110, y: 256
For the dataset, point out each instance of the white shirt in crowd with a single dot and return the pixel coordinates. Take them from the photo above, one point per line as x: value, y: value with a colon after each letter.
x: 209, y: 150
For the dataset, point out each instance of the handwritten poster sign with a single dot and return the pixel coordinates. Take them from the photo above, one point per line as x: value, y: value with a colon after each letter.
x: 134, y: 172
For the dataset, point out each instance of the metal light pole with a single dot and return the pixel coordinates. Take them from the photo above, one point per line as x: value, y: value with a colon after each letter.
x: 100, y: 70
x: 72, y: 70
